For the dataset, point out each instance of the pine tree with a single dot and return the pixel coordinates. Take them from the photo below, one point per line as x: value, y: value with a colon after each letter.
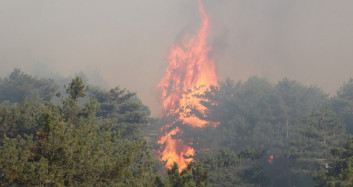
x: 320, y: 130
x: 339, y: 171
x: 70, y: 148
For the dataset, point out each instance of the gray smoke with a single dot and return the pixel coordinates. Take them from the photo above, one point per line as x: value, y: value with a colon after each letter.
x: 125, y: 43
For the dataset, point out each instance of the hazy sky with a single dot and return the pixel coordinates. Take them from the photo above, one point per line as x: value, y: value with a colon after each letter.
x: 125, y: 42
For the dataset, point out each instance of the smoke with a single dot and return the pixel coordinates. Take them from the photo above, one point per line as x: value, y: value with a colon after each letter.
x: 126, y: 42
x: 308, y: 41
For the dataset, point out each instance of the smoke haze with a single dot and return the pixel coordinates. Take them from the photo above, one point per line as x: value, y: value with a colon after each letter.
x: 126, y: 42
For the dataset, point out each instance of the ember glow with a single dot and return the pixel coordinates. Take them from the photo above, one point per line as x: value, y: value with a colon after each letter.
x: 190, y: 74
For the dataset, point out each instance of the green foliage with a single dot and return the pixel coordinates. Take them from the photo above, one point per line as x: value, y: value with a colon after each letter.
x: 343, y: 105
x: 124, y: 107
x: 321, y: 126
x: 76, y: 88
x: 20, y: 119
x: 227, y: 168
x: 296, y: 102
x: 192, y: 176
x: 256, y: 113
x: 339, y: 171
x: 259, y: 115
x: 268, y: 135
x: 19, y: 86
x: 69, y: 148
x: 320, y: 130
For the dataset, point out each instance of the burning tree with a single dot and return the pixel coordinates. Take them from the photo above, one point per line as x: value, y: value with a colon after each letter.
x: 189, y: 75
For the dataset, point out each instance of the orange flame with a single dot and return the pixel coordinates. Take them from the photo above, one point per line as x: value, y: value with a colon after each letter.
x: 190, y: 74
x: 175, y: 150
x: 270, y: 159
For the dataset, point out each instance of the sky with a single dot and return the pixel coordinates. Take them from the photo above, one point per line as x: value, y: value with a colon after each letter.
x: 125, y: 42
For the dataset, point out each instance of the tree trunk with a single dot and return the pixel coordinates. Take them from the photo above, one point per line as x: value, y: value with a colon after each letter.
x: 287, y: 125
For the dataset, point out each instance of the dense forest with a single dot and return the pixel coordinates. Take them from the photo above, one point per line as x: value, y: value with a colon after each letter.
x: 68, y: 133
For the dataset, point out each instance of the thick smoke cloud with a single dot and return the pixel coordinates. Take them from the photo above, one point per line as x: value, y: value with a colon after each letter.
x: 125, y: 42
x: 309, y: 41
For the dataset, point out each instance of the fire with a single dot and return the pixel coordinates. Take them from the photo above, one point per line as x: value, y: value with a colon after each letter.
x: 189, y: 75
x: 176, y: 150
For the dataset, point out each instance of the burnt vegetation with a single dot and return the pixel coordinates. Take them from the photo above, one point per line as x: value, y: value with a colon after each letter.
x: 283, y: 134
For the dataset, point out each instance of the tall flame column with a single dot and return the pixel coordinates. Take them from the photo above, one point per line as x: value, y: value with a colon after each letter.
x: 190, y: 74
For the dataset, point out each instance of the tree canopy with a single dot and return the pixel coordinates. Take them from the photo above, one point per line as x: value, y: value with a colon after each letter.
x: 283, y: 134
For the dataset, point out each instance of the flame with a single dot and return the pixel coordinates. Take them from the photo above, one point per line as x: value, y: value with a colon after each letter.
x: 270, y: 159
x: 175, y: 150
x: 189, y: 75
